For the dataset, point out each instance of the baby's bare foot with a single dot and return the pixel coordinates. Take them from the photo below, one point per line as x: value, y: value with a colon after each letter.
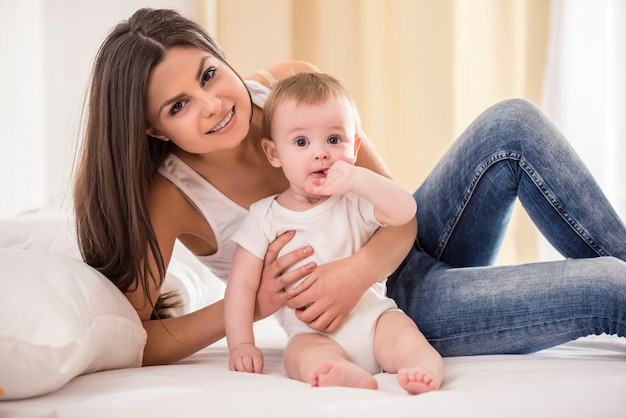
x: 414, y: 380
x: 341, y: 373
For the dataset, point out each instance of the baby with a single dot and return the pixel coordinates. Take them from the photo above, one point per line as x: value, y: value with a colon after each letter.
x: 312, y: 132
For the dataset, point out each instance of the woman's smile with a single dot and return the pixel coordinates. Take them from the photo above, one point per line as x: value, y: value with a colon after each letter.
x: 224, y: 121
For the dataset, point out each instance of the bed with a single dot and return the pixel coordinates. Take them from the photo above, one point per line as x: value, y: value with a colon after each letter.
x: 70, y: 346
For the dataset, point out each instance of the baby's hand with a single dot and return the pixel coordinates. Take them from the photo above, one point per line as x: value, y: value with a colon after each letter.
x: 339, y: 180
x: 246, y: 358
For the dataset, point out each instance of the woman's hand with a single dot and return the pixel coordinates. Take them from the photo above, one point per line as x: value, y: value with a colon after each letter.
x: 329, y: 294
x: 271, y: 294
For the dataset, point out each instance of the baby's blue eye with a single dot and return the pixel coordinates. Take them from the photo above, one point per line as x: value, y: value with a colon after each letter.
x: 301, y: 142
x: 334, y: 140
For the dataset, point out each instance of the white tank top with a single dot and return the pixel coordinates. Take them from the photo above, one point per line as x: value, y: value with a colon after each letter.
x: 221, y: 213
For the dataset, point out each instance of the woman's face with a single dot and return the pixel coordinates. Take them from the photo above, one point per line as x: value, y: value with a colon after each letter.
x: 197, y: 101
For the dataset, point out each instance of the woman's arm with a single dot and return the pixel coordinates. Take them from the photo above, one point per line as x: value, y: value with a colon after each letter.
x: 173, y: 339
x: 282, y: 70
x: 170, y: 340
x: 332, y: 290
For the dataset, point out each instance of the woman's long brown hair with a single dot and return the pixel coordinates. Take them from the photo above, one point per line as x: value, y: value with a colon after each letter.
x: 118, y: 160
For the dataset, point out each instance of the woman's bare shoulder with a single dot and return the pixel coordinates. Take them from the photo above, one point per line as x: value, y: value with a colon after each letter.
x: 281, y: 70
x: 174, y: 216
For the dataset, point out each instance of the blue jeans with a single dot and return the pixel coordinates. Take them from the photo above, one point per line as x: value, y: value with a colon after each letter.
x: 463, y: 305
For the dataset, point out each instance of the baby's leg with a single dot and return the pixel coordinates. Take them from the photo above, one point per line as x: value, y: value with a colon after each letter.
x: 401, y: 348
x: 319, y: 360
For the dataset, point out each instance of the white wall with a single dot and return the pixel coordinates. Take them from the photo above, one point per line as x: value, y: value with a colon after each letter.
x: 46, y: 51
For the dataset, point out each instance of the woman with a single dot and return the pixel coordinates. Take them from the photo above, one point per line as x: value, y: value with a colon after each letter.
x: 172, y: 150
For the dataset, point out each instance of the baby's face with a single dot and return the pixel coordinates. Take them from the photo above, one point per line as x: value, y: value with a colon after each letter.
x: 308, y: 139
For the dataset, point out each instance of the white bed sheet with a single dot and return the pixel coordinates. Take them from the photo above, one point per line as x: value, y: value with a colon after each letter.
x: 583, y: 378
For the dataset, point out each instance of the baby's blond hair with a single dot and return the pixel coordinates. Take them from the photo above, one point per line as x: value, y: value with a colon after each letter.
x: 307, y: 88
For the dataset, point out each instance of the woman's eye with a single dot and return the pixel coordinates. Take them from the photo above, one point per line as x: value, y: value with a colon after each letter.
x: 334, y: 140
x: 301, y: 142
x: 208, y: 75
x: 176, y: 107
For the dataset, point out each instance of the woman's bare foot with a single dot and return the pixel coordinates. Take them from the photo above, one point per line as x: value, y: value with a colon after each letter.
x: 341, y: 373
x: 414, y: 380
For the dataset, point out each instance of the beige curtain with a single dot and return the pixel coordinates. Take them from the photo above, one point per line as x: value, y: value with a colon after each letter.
x: 420, y: 70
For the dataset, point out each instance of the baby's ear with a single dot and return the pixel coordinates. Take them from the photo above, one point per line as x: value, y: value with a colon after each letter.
x: 357, y: 145
x: 269, y: 147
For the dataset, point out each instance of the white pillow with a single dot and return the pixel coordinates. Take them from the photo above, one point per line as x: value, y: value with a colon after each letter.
x: 60, y: 318
x: 47, y: 229
x: 52, y: 229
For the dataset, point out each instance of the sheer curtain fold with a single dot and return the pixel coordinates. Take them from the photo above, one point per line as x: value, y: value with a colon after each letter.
x: 584, y: 90
x: 22, y: 116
